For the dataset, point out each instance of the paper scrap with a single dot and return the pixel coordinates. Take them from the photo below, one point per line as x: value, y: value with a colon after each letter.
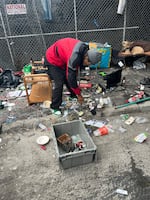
x: 140, y: 138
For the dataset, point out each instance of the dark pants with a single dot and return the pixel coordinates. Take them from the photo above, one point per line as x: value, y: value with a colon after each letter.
x: 58, y: 76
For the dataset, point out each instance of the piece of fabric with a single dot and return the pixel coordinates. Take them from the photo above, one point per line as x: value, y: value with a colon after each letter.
x: 8, y: 79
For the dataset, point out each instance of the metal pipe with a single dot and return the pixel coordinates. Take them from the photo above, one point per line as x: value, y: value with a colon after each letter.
x: 68, y: 32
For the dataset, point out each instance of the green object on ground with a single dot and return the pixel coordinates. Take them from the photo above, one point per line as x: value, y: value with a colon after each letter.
x: 131, y: 103
x: 102, y: 73
x: 27, y: 69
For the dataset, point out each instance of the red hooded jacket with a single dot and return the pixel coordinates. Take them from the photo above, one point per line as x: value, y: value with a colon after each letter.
x: 68, y: 54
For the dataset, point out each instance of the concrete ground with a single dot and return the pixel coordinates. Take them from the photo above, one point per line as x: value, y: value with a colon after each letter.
x: 27, y: 172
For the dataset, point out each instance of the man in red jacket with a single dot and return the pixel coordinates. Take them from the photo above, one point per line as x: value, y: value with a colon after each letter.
x: 63, y: 58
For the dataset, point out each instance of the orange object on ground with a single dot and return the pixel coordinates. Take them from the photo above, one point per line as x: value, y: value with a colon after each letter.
x: 103, y: 130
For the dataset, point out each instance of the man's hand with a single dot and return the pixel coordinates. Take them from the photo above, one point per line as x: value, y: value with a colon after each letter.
x: 80, y: 99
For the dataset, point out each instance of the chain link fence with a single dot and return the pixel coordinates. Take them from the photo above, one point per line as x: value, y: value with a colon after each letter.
x: 27, y: 35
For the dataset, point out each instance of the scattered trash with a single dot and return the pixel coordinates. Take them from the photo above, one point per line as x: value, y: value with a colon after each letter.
x: 107, y: 101
x: 43, y: 147
x: 95, y: 123
x: 101, y: 103
x: 86, y: 95
x: 136, y: 97
x: 27, y: 69
x: 78, y: 142
x: 99, y: 90
x: 142, y: 87
x: 135, y: 102
x: 104, y: 101
x: 66, y: 143
x: 92, y: 107
x: 140, y: 138
x: 42, y: 140
x: 85, y: 85
x: 93, y: 110
x: 81, y: 113
x: 17, y: 93
x: 101, y: 131
x: 101, y: 73
x: 138, y: 65
x: 46, y: 104
x: 124, y: 117
x: 122, y: 130
x: 110, y: 128
x: 8, y: 79
x: 120, y: 63
x: 145, y: 81
x: 121, y: 191
x: 141, y: 120
x: 42, y: 126
x: 130, y: 120
x: 10, y: 119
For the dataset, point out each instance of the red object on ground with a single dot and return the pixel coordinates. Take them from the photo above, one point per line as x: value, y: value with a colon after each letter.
x: 136, y: 97
x: 43, y: 147
x: 19, y: 73
x: 103, y: 130
x: 85, y: 85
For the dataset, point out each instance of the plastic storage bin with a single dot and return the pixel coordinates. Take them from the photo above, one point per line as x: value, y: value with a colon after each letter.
x: 75, y: 158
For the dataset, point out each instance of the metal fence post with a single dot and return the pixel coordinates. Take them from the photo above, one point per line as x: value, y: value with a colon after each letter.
x: 6, y: 37
x: 124, y: 24
x: 75, y: 19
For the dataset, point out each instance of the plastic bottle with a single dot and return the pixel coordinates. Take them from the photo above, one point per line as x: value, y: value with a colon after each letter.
x: 120, y: 191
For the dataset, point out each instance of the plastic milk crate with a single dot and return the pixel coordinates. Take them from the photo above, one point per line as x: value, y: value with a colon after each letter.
x: 79, y: 157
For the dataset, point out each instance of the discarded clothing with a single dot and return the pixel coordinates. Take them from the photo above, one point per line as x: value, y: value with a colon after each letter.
x: 8, y: 79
